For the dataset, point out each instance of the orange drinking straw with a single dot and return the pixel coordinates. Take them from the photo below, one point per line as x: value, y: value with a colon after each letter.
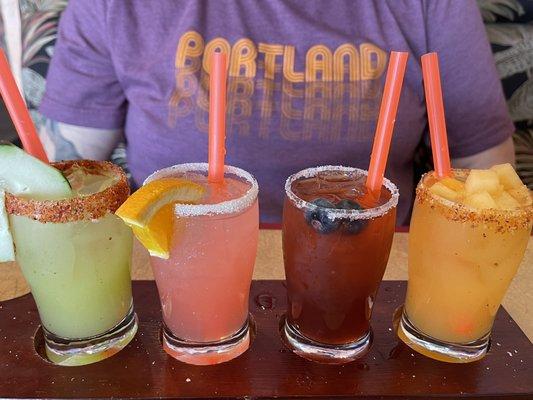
x: 435, y: 110
x: 217, y: 117
x: 386, y: 119
x: 18, y: 111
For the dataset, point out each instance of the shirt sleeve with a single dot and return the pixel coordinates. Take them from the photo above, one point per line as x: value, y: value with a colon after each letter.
x: 82, y: 87
x: 476, y: 113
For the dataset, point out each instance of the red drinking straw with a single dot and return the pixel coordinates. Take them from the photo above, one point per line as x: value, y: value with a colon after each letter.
x: 435, y: 110
x: 217, y: 117
x: 386, y: 119
x: 18, y: 111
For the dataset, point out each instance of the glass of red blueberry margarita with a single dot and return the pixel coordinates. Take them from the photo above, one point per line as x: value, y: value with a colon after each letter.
x: 336, y: 243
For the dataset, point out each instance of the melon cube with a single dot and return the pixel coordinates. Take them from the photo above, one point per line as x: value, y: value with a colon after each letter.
x: 453, y: 184
x: 480, y: 201
x: 443, y: 191
x: 498, y: 192
x: 507, y: 175
x: 506, y: 202
x: 521, y: 194
x: 480, y: 180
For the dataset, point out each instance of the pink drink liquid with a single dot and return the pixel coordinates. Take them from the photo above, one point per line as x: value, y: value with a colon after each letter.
x: 204, y: 285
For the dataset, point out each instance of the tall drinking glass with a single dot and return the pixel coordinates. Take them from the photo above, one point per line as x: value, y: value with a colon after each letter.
x: 336, y: 244
x: 205, y: 283
x: 76, y: 256
x: 461, y: 262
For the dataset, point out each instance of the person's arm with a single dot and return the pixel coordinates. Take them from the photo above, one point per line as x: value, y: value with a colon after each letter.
x: 68, y: 142
x: 499, y: 154
x: 479, y: 126
x: 84, y: 104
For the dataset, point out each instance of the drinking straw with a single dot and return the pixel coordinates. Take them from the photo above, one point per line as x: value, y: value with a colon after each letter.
x: 435, y: 110
x: 386, y: 119
x: 217, y: 117
x: 18, y: 111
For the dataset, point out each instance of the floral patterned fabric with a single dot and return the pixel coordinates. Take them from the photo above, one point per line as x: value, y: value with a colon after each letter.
x: 39, y: 22
x: 6, y: 128
x: 2, y: 33
x: 509, y: 25
x: 39, y: 19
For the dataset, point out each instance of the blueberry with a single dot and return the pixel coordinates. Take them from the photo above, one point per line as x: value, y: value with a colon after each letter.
x: 348, y: 205
x: 354, y: 226
x: 320, y: 202
x: 318, y: 217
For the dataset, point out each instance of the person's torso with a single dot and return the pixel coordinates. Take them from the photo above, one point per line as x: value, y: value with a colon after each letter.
x: 305, y: 80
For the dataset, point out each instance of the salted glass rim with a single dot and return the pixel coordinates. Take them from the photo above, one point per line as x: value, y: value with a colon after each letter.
x: 335, y: 213
x: 224, y: 207
x: 77, y: 208
x: 466, y: 210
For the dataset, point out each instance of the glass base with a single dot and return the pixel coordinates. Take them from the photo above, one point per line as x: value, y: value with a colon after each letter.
x: 211, y: 353
x: 440, y: 350
x: 69, y: 352
x: 324, y: 353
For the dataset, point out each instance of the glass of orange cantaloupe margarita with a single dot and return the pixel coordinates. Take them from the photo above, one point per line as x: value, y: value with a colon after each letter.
x: 468, y: 236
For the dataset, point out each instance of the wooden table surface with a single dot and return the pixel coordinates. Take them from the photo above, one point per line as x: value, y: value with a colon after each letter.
x: 269, y: 265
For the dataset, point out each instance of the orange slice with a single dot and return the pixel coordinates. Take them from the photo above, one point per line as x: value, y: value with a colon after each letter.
x: 149, y: 211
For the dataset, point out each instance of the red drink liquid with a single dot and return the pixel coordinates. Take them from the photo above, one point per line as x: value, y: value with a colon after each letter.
x: 336, y: 243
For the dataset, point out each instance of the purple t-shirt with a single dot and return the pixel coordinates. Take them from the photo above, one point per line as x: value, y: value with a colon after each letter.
x: 304, y: 87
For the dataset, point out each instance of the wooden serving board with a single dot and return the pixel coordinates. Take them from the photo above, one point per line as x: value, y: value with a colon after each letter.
x: 143, y: 370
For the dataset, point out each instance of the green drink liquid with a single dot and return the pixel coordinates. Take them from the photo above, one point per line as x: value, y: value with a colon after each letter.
x: 79, y: 272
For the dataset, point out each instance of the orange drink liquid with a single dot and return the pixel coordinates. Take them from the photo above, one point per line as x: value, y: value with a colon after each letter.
x: 464, y: 250
x: 204, y: 284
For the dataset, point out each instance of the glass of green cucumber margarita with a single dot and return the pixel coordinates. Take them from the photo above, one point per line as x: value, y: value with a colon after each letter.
x: 76, y: 256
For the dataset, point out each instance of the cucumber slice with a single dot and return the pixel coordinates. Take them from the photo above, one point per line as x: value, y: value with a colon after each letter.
x: 7, y: 249
x: 26, y: 176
